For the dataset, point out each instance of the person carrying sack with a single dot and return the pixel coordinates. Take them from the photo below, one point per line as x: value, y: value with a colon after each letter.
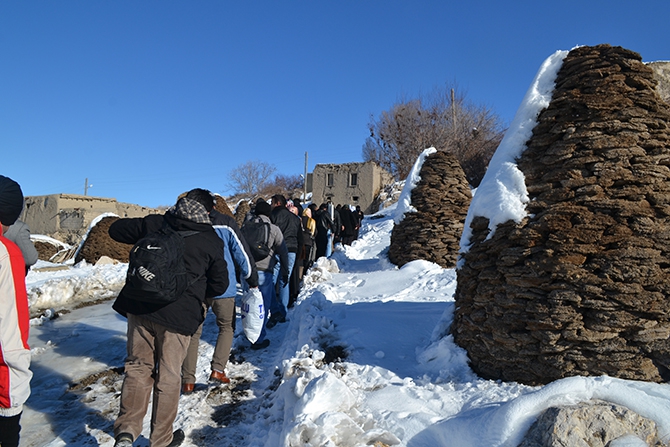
x: 237, y: 254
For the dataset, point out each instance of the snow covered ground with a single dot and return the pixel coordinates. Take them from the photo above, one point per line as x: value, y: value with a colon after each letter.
x: 365, y: 357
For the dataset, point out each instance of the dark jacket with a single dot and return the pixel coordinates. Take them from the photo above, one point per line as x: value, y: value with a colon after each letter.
x: 348, y: 221
x: 290, y: 226
x: 203, y: 256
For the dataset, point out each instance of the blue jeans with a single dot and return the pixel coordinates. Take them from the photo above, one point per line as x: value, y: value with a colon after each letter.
x: 267, y: 288
x: 280, y: 305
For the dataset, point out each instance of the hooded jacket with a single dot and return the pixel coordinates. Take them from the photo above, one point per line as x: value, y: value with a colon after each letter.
x: 236, y: 253
x: 203, y: 258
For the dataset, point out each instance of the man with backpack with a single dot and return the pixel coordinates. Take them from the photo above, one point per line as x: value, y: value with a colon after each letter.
x: 162, y: 316
x: 264, y: 249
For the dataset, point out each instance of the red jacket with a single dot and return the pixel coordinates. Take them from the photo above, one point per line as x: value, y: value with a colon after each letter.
x: 15, y: 371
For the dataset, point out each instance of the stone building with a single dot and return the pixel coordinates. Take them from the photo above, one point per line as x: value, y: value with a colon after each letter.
x: 349, y: 184
x: 579, y: 286
x: 441, y: 199
x: 66, y: 217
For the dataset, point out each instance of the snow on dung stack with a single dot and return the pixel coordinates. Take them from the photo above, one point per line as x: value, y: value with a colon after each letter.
x: 441, y: 199
x: 580, y: 285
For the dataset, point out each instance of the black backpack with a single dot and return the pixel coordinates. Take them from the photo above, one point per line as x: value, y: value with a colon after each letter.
x: 257, y: 234
x: 156, y: 270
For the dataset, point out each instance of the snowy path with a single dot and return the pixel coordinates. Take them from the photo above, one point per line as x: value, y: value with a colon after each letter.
x: 223, y: 416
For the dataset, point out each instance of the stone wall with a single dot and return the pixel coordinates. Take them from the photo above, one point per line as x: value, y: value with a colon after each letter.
x: 433, y: 232
x: 580, y: 286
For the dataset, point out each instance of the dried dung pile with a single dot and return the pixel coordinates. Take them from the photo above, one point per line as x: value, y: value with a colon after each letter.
x: 433, y: 232
x: 98, y: 243
x: 580, y: 286
x: 222, y: 206
x: 45, y: 250
x: 241, y: 212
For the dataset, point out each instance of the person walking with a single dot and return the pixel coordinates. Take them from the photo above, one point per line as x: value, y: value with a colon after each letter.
x: 348, y: 225
x: 236, y: 253
x: 309, y: 249
x: 291, y: 228
x: 266, y: 267
x: 159, y: 334
x: 324, y: 229
x: 15, y: 371
x: 359, y: 220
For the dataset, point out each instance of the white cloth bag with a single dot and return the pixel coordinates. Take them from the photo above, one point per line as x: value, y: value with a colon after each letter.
x: 253, y: 314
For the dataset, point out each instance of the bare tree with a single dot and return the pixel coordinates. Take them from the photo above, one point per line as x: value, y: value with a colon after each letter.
x: 251, y: 178
x: 446, y: 121
x: 286, y: 185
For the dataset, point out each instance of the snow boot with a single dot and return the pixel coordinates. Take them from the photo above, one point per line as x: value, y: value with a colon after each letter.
x: 177, y: 438
x: 124, y: 440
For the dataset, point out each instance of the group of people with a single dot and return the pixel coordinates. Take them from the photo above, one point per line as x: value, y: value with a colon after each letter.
x: 163, y: 338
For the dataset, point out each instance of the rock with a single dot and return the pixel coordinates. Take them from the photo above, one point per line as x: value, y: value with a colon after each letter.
x: 579, y: 287
x: 433, y: 232
x: 590, y: 424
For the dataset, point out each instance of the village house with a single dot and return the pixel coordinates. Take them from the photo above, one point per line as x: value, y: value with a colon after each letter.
x: 349, y: 184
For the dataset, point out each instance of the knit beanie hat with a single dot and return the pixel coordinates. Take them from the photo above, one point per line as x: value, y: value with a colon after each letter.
x: 263, y: 208
x: 11, y: 200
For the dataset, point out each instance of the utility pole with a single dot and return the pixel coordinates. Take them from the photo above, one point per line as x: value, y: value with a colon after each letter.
x: 453, y: 108
x: 86, y: 186
x: 304, y: 181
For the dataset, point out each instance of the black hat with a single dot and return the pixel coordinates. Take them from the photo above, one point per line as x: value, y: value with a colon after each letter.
x: 11, y: 200
x: 263, y: 208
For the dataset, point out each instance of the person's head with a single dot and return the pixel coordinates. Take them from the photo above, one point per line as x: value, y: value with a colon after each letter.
x: 203, y: 197
x: 278, y: 200
x: 296, y: 201
x: 263, y: 209
x: 307, y: 212
x: 313, y: 207
x: 323, y: 206
x: 11, y: 201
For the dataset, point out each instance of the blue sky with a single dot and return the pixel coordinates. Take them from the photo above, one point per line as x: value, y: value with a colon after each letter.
x: 148, y: 99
